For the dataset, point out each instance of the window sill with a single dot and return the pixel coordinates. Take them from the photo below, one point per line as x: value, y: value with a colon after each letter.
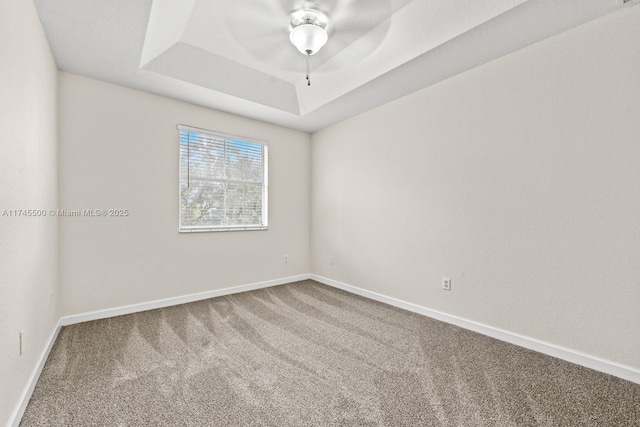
x: 216, y: 229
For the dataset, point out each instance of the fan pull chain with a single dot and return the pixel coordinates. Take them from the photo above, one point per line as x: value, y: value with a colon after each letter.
x: 308, y: 71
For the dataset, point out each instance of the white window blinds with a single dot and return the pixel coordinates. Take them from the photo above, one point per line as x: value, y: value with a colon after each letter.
x: 223, y: 182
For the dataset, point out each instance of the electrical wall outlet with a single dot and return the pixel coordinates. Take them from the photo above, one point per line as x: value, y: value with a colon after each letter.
x: 446, y: 284
x: 286, y: 259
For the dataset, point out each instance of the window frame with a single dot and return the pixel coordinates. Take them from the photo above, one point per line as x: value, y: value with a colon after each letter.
x: 265, y: 182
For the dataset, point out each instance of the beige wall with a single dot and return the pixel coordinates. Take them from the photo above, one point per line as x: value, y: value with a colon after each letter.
x: 519, y: 180
x: 119, y: 149
x: 28, y: 180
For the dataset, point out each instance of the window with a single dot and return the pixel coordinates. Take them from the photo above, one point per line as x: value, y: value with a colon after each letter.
x: 223, y: 182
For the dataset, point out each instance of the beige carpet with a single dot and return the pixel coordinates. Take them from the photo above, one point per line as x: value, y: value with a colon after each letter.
x: 305, y: 354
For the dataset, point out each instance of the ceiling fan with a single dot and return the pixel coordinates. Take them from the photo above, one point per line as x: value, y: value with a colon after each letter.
x: 277, y: 32
x: 308, y: 33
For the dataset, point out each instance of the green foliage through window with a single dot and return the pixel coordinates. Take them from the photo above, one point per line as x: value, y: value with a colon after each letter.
x: 223, y: 182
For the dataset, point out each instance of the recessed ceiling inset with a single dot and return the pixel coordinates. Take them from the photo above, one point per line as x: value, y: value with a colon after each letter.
x: 236, y: 56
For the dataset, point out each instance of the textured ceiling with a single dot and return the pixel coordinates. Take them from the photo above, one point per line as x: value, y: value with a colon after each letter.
x: 235, y: 55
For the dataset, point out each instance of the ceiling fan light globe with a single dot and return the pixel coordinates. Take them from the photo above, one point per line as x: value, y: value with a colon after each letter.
x: 308, y: 38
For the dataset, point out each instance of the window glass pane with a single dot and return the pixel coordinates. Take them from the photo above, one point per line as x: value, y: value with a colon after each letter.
x: 222, y: 182
x: 244, y: 161
x: 244, y: 203
x: 202, y: 204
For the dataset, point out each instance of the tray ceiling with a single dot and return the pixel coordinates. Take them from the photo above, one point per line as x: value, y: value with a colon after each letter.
x: 236, y: 56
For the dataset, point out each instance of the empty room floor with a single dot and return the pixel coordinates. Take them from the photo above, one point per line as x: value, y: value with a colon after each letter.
x: 306, y: 354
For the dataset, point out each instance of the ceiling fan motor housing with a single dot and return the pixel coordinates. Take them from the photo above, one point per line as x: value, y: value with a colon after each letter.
x: 308, y: 30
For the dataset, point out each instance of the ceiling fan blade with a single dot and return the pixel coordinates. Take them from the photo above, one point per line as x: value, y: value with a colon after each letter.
x: 339, y: 54
x: 261, y: 31
x: 350, y: 21
x: 359, y: 14
x: 264, y: 33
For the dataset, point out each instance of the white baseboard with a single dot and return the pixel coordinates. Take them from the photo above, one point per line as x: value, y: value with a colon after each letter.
x: 167, y: 302
x: 18, y: 411
x: 621, y: 371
